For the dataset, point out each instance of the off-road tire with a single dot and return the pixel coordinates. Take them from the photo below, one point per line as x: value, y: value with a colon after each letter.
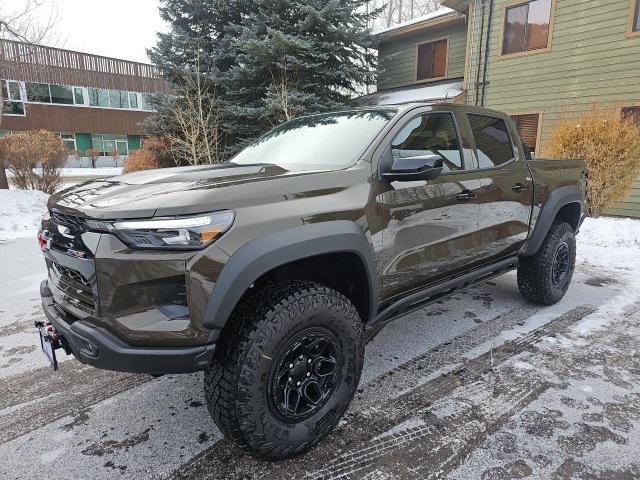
x: 237, y: 384
x: 536, y: 273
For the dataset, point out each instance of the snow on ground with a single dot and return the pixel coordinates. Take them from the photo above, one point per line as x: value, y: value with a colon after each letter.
x: 86, y: 172
x: 21, y: 212
x: 610, y: 246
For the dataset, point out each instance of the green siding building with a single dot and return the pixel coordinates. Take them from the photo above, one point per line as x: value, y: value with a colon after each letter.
x: 541, y: 61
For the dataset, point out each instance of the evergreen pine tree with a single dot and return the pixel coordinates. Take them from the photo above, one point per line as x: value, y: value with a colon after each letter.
x: 268, y: 60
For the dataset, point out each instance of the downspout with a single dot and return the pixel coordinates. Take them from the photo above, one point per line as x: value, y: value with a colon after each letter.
x: 477, y: 83
x: 486, y: 54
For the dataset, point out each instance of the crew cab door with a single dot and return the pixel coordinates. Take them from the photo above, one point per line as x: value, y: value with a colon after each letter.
x: 429, y: 226
x: 506, y: 188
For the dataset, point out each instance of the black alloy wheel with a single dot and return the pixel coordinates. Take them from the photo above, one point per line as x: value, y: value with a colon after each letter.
x: 304, y: 377
x: 560, y: 267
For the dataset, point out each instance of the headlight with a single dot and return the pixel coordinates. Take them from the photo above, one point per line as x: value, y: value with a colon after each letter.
x: 177, y: 233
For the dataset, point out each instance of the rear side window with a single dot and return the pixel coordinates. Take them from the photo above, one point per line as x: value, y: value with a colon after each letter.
x: 429, y: 134
x: 493, y: 144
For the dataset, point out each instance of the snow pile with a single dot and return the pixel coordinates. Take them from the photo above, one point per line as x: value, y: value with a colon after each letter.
x: 84, y: 172
x: 430, y: 93
x: 610, y: 243
x: 90, y: 172
x: 429, y: 16
x: 21, y: 212
x: 610, y: 247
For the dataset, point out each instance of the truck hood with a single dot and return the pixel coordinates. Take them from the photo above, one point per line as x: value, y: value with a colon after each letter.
x: 188, y: 190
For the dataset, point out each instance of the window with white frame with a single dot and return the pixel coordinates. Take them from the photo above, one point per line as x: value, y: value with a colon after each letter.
x: 69, y: 140
x: 108, y: 144
x: 83, y: 96
x: 13, y: 102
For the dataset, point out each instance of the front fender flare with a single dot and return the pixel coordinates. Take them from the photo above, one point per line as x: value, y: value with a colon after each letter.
x: 267, y: 252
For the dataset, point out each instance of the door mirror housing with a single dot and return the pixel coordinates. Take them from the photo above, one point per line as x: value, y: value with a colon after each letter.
x: 410, y: 169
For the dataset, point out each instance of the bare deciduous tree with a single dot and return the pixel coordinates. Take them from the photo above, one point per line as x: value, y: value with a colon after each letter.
x: 22, y: 25
x: 398, y: 11
x: 196, y: 113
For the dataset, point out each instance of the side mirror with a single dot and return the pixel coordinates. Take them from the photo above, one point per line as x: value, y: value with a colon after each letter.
x: 410, y: 169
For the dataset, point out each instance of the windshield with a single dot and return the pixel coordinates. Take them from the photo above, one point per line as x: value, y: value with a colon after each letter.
x: 319, y: 142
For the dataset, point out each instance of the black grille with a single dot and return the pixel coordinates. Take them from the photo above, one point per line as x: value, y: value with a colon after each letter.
x: 77, y: 290
x: 75, y: 223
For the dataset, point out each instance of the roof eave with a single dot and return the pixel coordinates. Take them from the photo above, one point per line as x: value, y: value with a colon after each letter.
x: 443, y: 20
x: 461, y: 6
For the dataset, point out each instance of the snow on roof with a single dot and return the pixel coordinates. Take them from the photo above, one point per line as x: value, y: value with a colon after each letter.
x: 429, y: 16
x: 426, y: 93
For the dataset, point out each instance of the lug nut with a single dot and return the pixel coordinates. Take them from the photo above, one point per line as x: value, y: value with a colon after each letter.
x: 298, y: 384
x: 308, y: 374
x: 291, y: 365
x: 309, y: 361
x: 301, y: 357
x: 290, y: 379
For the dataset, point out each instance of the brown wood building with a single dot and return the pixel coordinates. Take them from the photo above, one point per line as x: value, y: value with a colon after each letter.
x: 90, y: 100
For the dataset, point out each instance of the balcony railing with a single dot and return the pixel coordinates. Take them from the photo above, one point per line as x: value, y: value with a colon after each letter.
x: 38, y: 63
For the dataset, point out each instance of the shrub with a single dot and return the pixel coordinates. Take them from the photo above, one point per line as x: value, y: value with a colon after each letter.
x: 34, y: 158
x: 140, y: 159
x: 153, y: 154
x: 92, y: 154
x: 611, y: 147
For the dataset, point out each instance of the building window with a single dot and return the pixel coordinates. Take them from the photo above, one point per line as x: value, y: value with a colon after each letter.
x: 634, y: 20
x: 38, y: 92
x: 13, y: 103
x: 633, y: 114
x: 78, y: 95
x: 69, y: 140
x: 432, y: 60
x: 527, y: 27
x: 98, y: 97
x: 61, y: 94
x: 527, y: 126
x: 493, y: 144
x: 107, y: 144
x: 133, y: 100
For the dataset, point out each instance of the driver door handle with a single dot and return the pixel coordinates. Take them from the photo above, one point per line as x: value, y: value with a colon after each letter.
x: 466, y: 195
x: 518, y: 188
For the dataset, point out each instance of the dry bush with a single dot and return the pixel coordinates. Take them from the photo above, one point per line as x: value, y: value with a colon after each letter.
x: 92, y: 154
x: 140, y: 159
x: 611, y: 147
x: 34, y: 158
x: 153, y: 154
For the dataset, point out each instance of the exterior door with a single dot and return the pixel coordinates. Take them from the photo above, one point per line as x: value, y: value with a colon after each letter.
x: 430, y: 227
x: 506, y: 188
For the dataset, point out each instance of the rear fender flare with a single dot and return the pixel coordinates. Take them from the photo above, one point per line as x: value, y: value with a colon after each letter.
x: 548, y: 212
x: 270, y: 251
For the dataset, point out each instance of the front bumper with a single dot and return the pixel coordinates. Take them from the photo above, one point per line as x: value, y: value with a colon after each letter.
x: 98, y: 347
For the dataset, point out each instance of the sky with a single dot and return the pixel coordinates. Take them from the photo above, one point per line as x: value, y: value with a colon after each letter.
x: 114, y: 28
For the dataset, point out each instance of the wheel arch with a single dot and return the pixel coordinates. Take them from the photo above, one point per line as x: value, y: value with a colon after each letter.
x: 565, y: 204
x: 291, y: 250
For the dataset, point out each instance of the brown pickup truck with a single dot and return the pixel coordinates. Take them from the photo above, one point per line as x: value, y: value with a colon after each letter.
x: 267, y: 272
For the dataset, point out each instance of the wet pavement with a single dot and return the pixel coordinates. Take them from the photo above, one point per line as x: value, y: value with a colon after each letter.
x: 481, y: 385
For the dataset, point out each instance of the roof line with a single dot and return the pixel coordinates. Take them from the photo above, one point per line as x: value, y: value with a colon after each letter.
x: 75, y: 51
x: 445, y: 16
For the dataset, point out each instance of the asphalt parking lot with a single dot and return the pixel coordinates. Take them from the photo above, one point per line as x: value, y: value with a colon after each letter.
x: 481, y: 385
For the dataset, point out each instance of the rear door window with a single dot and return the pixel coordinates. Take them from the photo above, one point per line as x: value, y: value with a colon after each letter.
x: 493, y: 143
x: 430, y: 134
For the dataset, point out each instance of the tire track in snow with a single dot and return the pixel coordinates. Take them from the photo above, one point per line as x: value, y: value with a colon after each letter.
x: 34, y: 399
x: 369, y: 419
